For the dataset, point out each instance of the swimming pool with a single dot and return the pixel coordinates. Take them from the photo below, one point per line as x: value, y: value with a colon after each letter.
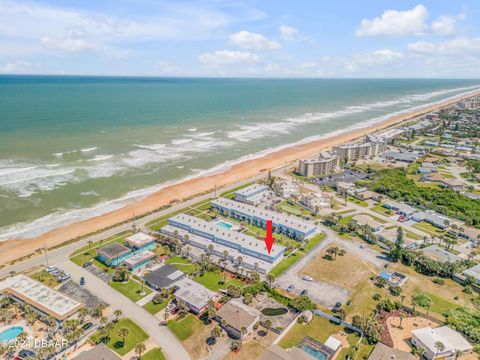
x: 11, y: 333
x: 224, y: 224
x: 317, y: 354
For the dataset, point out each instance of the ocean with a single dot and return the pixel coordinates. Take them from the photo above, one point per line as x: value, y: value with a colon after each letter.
x: 75, y: 147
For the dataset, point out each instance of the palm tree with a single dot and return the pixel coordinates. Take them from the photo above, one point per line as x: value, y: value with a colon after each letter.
x: 216, y: 332
x: 402, y: 316
x: 268, y: 325
x: 82, y: 313
x: 117, y: 313
x: 270, y: 279
x: 123, y: 332
x: 139, y: 349
x: 439, y: 346
x: 243, y: 331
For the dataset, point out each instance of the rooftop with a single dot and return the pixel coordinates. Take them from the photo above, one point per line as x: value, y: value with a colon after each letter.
x: 473, y: 271
x: 367, y: 220
x: 193, y: 293
x: 139, y: 258
x: 384, y: 352
x: 237, y: 314
x: 227, y: 235
x: 99, y: 352
x: 451, y: 339
x: 40, y: 296
x: 113, y: 251
x: 140, y: 239
x: 252, y: 189
x: 437, y: 253
x: 164, y: 276
x: 277, y: 218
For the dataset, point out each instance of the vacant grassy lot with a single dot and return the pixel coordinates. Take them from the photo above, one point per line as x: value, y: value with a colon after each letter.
x: 154, y: 354
x: 136, y: 335
x: 429, y: 228
x: 185, y: 327
x: 131, y: 289
x: 294, y: 257
x: 213, y: 280
x: 362, y: 203
x: 381, y: 210
x: 183, y: 264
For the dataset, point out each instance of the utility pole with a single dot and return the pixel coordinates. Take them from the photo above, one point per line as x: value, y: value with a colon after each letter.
x: 215, y: 190
x: 134, y: 226
x: 46, y: 254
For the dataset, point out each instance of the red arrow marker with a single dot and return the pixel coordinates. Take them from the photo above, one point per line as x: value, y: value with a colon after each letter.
x: 269, y: 239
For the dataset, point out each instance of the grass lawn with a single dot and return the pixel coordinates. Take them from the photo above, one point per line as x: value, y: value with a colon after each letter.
x: 183, y: 264
x: 136, y: 335
x: 439, y: 304
x: 213, y: 280
x: 429, y: 228
x: 158, y: 223
x: 46, y: 278
x: 362, y: 203
x: 130, y: 289
x: 319, y: 329
x: 153, y: 308
x: 410, y: 235
x: 381, y: 210
x: 185, y: 327
x: 294, y: 257
x: 112, y: 239
x: 154, y: 354
x: 345, y: 220
x: 293, y: 209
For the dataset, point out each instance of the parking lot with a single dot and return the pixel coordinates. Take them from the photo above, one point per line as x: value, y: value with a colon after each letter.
x: 80, y: 294
x: 102, y: 275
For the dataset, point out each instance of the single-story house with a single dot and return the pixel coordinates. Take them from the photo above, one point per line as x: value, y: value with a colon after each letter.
x: 474, y: 272
x: 275, y: 352
x: 435, y: 252
x: 238, y: 316
x: 454, y: 344
x: 193, y: 294
x: 400, y: 208
x: 403, y: 156
x: 365, y: 220
x: 99, y: 352
x: 470, y: 234
x: 163, y: 277
x: 384, y: 352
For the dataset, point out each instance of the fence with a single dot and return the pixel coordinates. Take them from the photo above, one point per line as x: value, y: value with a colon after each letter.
x: 338, y: 321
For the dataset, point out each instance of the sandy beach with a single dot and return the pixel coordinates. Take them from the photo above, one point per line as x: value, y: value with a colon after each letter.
x: 13, y: 249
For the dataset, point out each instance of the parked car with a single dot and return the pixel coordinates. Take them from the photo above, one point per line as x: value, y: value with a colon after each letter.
x: 304, y: 292
x: 337, y: 306
x: 290, y: 288
x: 87, y: 326
x: 52, y: 268
x: 307, y: 278
x: 87, y: 264
x: 82, y: 281
x: 170, y: 307
x: 64, y: 278
x: 26, y: 354
x: 363, y: 246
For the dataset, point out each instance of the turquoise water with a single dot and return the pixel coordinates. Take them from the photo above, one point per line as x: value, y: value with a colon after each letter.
x: 224, y: 225
x: 75, y: 147
x: 11, y: 333
x: 315, y: 353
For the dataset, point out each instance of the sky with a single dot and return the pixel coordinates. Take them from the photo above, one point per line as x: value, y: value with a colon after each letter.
x: 230, y: 38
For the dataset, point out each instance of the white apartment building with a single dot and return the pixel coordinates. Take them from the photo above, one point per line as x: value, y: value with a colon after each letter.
x: 286, y: 188
x: 324, y: 164
x: 365, y: 150
x: 314, y: 201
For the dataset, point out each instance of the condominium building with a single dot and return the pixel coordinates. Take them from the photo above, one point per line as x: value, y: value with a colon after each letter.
x: 287, y: 188
x: 290, y: 226
x: 365, y: 150
x: 324, y: 164
x: 315, y: 201
x: 226, y: 243
x: 252, y: 194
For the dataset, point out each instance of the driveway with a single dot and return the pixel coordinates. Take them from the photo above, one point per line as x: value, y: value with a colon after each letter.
x: 171, y: 347
x: 323, y: 293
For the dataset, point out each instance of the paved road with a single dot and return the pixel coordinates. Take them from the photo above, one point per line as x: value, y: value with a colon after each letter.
x: 61, y: 254
x: 171, y: 347
x: 324, y: 293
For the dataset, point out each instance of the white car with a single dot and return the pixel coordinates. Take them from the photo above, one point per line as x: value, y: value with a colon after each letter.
x: 307, y: 278
x: 363, y: 246
x: 52, y: 268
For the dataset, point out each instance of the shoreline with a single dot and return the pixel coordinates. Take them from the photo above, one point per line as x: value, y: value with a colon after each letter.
x: 17, y: 248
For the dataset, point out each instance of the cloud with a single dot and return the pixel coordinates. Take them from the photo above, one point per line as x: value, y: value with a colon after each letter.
x: 249, y: 40
x: 15, y: 67
x: 226, y: 57
x: 68, y: 45
x: 444, y: 25
x: 288, y: 32
x: 395, y: 23
x: 388, y: 54
x: 458, y: 46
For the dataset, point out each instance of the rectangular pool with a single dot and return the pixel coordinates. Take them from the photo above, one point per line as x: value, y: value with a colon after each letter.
x: 317, y: 354
x: 224, y: 224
